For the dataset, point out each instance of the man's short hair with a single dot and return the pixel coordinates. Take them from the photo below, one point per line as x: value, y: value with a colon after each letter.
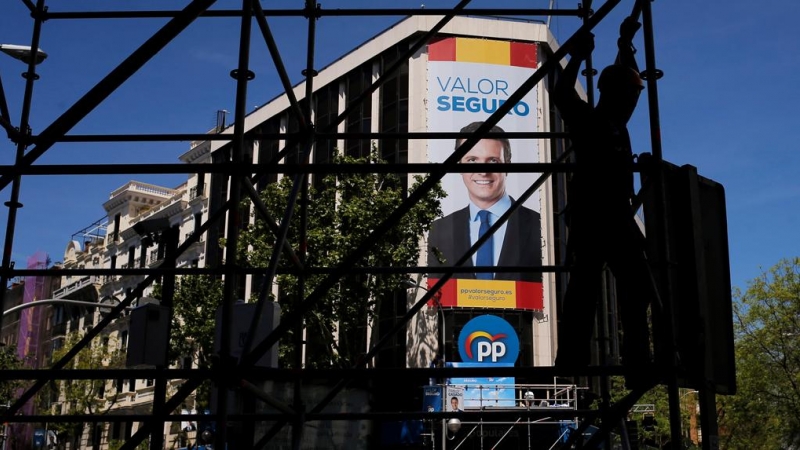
x: 618, y: 75
x: 471, y: 128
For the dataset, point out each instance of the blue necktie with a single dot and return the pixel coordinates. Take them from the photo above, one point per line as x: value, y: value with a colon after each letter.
x: 485, y: 255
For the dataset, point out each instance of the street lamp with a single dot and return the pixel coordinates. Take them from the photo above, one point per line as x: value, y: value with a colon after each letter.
x: 19, y: 136
x: 23, y: 53
x: 688, y: 428
x: 453, y: 426
x: 50, y: 301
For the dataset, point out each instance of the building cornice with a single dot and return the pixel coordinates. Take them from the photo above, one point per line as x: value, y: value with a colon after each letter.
x: 197, y: 153
x: 138, y: 192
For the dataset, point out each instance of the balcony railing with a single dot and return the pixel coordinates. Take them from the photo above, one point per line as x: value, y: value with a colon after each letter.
x: 137, y: 186
x: 72, y: 287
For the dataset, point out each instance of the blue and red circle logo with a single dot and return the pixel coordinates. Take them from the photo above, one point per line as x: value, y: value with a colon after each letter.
x: 488, y: 339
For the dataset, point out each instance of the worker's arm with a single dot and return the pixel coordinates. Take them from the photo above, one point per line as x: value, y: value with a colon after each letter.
x: 625, y: 55
x: 564, y: 95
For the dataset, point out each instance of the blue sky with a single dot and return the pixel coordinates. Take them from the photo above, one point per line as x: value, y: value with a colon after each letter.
x: 727, y: 102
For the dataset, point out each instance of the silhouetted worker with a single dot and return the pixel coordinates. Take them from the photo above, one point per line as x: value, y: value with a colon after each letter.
x: 602, y: 229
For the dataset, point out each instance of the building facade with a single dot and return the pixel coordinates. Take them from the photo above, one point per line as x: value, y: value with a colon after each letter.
x: 460, y: 77
x: 114, y: 243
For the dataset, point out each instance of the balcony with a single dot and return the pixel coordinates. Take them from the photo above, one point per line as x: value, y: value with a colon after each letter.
x: 153, y: 258
x: 72, y: 287
x: 197, y: 192
x: 144, y: 188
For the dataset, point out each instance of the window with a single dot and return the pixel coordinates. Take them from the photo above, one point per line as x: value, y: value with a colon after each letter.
x: 116, y: 431
x: 95, y: 436
x: 117, y: 218
x: 267, y: 151
x: 390, y: 313
x: 201, y: 181
x: 326, y: 112
x: 218, y: 195
x: 394, y: 107
x: 360, y: 120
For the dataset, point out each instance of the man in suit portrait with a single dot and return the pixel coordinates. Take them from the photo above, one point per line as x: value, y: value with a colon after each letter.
x: 516, y: 243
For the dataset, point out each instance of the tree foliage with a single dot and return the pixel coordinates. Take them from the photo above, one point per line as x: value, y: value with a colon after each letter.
x: 84, y: 396
x: 659, y: 434
x: 197, y: 298
x: 87, y: 396
x: 343, y: 210
x: 765, y: 412
x: 195, y: 304
x: 9, y: 361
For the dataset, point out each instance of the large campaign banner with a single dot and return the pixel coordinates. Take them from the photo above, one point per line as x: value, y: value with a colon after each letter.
x: 468, y: 80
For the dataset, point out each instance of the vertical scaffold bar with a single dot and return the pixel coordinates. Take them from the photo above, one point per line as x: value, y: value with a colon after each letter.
x: 243, y: 75
x: 13, y: 203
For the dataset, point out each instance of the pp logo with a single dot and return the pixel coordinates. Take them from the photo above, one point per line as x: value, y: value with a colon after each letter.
x: 488, y: 346
x: 488, y: 339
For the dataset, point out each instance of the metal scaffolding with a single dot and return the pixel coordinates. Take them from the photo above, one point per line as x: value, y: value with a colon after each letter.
x: 230, y: 374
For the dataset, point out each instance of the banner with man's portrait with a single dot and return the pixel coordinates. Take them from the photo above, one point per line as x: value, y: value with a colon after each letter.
x: 468, y: 80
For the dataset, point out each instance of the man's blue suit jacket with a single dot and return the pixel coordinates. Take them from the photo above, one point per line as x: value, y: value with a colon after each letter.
x: 522, y: 244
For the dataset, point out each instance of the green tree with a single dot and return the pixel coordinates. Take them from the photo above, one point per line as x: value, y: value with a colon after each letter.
x: 343, y: 209
x: 9, y: 361
x: 86, y: 396
x: 765, y: 412
x: 195, y: 304
x: 660, y: 431
x: 197, y: 298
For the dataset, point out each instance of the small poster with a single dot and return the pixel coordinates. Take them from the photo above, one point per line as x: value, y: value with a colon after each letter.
x: 455, y: 398
x: 432, y: 399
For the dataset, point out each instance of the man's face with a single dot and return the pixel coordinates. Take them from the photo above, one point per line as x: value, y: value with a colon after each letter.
x: 454, y: 403
x: 485, y: 189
